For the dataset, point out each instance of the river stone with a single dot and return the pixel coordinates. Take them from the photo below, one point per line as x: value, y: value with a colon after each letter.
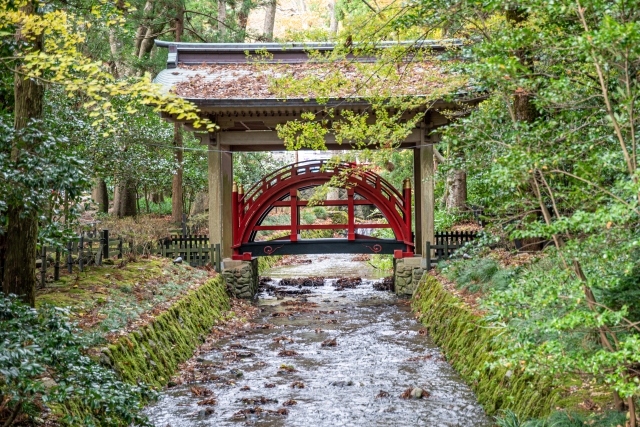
x: 416, y: 393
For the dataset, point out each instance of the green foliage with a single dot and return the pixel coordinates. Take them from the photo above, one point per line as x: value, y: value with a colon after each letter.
x: 45, y: 175
x: 382, y: 262
x: 555, y: 330
x: 320, y: 212
x: 478, y: 274
x: 563, y: 419
x: 308, y: 217
x: 250, y: 168
x: 43, y: 359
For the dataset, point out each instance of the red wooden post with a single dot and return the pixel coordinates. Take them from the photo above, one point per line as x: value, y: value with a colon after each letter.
x: 293, y: 194
x: 407, y: 210
x: 236, y: 217
x: 351, y: 232
x: 241, y: 203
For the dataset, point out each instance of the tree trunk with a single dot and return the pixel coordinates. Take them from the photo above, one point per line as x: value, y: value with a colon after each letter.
x: 125, y: 204
x: 222, y: 20
x: 333, y: 18
x: 523, y: 108
x: 269, y: 20
x: 101, y: 195
x: 456, y: 190
x: 142, y: 28
x: 243, y: 17
x: 176, y: 188
x: 22, y: 228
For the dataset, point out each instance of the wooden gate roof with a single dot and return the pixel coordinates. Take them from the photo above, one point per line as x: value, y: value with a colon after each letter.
x: 252, y: 86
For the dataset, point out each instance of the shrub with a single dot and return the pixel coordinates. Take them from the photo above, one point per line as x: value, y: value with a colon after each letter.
x: 308, y: 217
x: 43, y: 361
x: 320, y: 212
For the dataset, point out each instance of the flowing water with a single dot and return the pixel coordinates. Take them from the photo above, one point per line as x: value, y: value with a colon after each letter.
x: 380, y: 353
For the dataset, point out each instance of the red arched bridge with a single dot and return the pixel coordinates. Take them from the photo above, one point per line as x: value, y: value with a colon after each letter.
x: 282, y: 188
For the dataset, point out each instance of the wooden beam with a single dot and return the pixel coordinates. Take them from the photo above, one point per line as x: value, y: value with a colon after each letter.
x: 266, y: 138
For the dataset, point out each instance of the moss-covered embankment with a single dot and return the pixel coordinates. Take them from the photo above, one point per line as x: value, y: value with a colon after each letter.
x: 470, y: 345
x: 152, y: 353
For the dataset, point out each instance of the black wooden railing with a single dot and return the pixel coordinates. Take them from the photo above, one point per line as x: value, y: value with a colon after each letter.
x: 93, y: 247
x: 446, y: 243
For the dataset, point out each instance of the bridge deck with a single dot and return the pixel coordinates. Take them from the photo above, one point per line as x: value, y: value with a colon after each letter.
x: 323, y: 246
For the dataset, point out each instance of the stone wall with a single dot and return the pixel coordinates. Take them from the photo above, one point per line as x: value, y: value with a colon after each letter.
x: 407, y: 272
x: 472, y: 347
x: 153, y: 352
x: 241, y: 277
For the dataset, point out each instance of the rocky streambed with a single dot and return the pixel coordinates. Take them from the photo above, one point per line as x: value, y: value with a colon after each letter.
x: 322, y: 352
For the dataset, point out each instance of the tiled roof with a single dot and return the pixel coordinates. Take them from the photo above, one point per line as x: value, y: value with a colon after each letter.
x: 279, y: 81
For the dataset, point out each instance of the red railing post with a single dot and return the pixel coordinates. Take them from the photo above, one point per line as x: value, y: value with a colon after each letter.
x: 293, y: 195
x: 351, y: 232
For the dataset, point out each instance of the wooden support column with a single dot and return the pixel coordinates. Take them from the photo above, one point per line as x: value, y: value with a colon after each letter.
x: 425, y: 188
x: 417, y: 199
x: 220, y: 174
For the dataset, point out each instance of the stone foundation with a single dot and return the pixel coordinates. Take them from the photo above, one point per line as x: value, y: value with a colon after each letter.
x: 407, y: 273
x: 241, y: 277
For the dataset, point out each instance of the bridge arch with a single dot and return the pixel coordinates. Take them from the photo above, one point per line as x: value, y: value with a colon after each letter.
x: 251, y: 208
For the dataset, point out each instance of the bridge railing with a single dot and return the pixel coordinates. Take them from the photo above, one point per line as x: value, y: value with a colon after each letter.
x: 280, y: 189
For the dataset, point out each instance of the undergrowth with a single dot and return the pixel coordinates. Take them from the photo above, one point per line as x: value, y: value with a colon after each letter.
x: 564, y: 419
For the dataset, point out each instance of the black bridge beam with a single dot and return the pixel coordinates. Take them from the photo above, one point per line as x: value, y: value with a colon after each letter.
x: 323, y: 246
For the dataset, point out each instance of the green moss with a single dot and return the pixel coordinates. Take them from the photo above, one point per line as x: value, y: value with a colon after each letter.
x: 154, y: 353
x: 470, y: 347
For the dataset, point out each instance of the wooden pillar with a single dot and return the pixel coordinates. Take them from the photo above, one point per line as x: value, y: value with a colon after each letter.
x: 220, y: 175
x: 425, y: 200
x: 417, y: 199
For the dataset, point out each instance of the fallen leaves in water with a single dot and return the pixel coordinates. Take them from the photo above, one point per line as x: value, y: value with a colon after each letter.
x: 198, y: 369
x: 303, y: 281
x: 319, y: 331
x: 269, y: 385
x: 329, y: 342
x: 260, y: 399
x: 407, y: 393
x: 332, y: 321
x: 347, y: 283
x: 209, y: 401
x: 290, y: 402
x: 283, y: 338
x: 245, y: 388
x: 287, y: 369
x: 422, y: 332
x: 259, y: 411
x: 420, y: 358
x: 201, y: 391
x: 237, y: 346
x: 288, y: 353
x: 382, y: 394
x: 297, y: 384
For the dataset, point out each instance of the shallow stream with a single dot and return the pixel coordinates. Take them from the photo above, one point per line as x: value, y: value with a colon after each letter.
x: 380, y: 352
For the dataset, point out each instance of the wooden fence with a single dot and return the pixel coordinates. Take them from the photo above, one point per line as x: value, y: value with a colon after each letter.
x: 92, y: 248
x: 446, y: 244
